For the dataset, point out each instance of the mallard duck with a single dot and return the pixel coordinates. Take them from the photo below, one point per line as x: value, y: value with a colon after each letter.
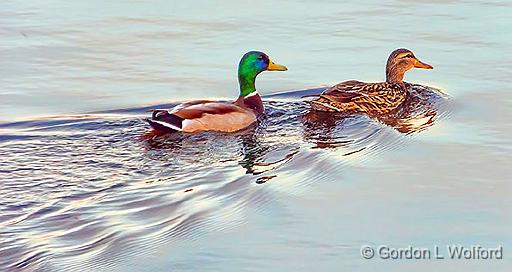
x: 373, y: 98
x: 205, y: 115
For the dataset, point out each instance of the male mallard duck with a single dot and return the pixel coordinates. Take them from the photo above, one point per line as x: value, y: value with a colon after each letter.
x: 204, y: 115
x: 372, y: 98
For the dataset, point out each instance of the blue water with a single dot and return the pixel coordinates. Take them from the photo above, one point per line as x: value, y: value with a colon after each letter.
x: 85, y: 188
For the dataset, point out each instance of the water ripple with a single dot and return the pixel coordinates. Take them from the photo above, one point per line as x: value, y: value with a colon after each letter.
x: 85, y: 190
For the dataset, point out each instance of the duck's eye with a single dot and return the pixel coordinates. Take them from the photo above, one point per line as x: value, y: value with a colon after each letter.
x: 408, y: 56
x: 260, y: 57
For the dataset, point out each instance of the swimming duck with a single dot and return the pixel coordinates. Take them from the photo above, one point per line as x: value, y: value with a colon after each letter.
x: 205, y: 115
x: 373, y: 98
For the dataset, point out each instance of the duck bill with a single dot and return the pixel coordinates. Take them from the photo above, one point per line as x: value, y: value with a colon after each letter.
x: 275, y: 67
x: 422, y: 65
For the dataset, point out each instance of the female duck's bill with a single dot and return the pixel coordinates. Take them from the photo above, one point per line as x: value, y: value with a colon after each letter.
x: 203, y: 115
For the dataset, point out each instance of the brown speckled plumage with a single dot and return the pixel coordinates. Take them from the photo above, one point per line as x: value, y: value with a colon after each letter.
x: 373, y: 98
x: 356, y: 96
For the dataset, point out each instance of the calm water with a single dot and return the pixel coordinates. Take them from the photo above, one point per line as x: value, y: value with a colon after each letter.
x: 83, y: 188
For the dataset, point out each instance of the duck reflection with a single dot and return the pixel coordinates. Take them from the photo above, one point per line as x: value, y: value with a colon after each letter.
x: 422, y: 108
x: 156, y: 140
x: 259, y: 157
x: 245, y: 147
x: 325, y: 130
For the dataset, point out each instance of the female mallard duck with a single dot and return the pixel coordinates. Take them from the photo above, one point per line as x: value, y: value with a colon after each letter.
x: 372, y: 98
x: 204, y: 115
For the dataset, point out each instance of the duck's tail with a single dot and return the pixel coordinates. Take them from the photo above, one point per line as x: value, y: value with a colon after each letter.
x: 164, y: 121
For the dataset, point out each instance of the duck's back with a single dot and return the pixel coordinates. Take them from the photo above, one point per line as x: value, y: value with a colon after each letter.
x: 356, y: 96
x: 203, y: 115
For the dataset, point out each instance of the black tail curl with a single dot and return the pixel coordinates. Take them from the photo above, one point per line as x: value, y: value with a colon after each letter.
x: 164, y: 121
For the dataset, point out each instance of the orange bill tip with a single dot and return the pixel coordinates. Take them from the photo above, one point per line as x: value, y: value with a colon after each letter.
x: 422, y: 65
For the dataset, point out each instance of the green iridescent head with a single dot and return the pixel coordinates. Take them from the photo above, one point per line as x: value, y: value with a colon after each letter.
x: 251, y: 64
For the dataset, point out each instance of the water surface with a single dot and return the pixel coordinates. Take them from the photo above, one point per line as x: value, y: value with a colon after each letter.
x: 83, y: 188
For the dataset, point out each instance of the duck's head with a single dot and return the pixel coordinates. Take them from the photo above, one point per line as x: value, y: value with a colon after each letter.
x: 251, y: 64
x: 400, y: 61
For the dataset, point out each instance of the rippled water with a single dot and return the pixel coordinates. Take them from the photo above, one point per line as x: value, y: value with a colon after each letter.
x: 91, y: 189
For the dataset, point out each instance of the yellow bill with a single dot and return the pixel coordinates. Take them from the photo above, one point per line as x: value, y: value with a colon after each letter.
x: 275, y: 67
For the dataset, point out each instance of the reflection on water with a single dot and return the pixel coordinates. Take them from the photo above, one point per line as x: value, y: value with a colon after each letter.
x: 420, y: 111
x: 106, y: 187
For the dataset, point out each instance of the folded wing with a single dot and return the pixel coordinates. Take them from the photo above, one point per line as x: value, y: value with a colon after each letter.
x: 203, y: 115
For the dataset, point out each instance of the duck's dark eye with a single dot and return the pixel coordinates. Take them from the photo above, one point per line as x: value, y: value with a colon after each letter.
x: 260, y: 57
x: 408, y: 56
